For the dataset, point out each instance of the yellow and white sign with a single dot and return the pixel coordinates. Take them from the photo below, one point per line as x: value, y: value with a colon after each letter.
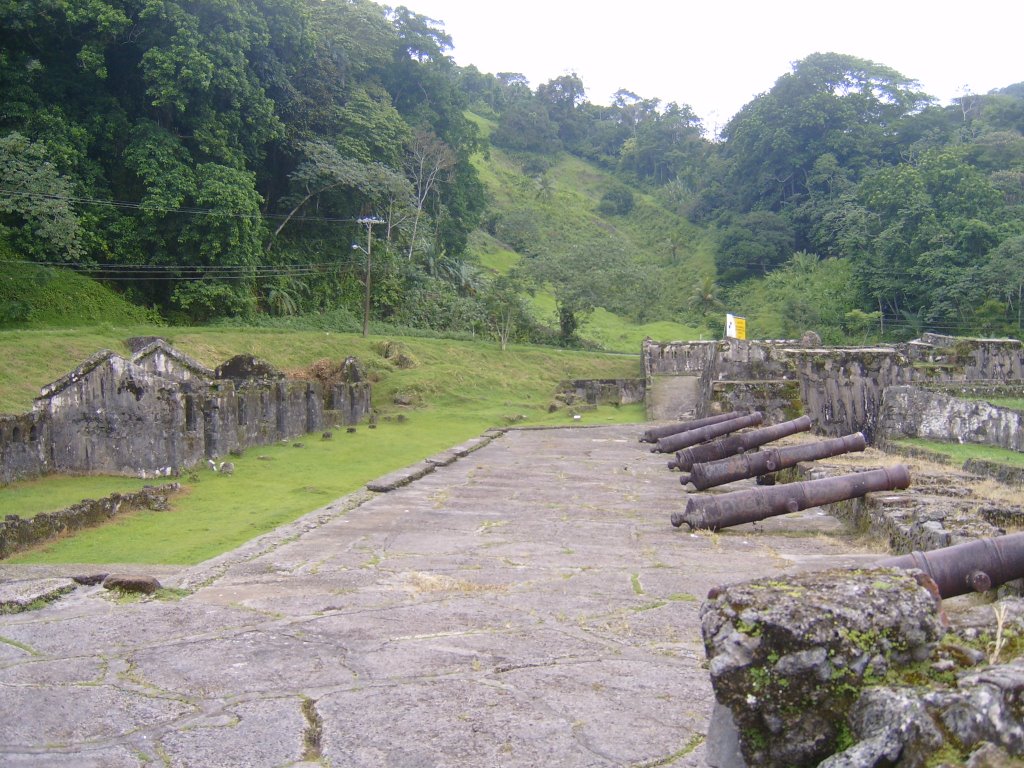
x: 735, y: 327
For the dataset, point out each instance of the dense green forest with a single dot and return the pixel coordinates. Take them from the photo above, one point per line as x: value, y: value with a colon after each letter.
x: 264, y: 159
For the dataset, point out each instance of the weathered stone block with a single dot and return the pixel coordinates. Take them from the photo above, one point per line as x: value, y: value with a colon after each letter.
x: 146, y: 585
x: 789, y: 657
x: 910, y: 411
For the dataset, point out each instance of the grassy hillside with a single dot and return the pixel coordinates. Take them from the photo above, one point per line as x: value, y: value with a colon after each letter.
x: 557, y: 212
x: 36, y: 296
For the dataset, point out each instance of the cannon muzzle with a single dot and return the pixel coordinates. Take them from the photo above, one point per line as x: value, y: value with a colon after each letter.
x: 677, y: 442
x: 654, y: 434
x: 710, y: 473
x: 714, y: 512
x: 730, y: 446
x: 975, y: 566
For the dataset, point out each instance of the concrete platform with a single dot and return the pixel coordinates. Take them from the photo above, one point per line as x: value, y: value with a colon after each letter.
x: 529, y: 604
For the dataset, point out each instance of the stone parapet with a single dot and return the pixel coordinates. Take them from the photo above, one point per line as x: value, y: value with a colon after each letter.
x: 913, y: 411
x: 841, y: 389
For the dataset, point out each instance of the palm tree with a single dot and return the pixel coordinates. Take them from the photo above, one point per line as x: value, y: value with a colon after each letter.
x: 704, y: 298
x: 283, y: 297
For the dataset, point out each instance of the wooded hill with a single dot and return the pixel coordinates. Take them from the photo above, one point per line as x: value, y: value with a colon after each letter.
x: 213, y: 160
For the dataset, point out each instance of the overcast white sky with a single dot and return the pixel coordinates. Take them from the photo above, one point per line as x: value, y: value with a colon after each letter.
x: 715, y: 56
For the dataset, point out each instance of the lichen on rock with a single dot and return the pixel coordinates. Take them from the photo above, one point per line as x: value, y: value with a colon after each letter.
x: 790, y: 657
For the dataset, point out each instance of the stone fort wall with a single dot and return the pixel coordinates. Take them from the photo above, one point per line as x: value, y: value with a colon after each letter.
x: 841, y: 389
x: 160, y: 411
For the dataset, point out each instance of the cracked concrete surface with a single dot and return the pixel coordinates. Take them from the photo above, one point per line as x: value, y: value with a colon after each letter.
x: 528, y: 604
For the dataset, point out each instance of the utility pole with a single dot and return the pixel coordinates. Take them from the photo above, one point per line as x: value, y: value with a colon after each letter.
x: 368, y: 250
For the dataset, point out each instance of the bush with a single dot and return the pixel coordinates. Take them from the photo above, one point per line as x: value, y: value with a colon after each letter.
x: 339, y: 320
x: 436, y: 305
x: 617, y: 201
x: 37, y: 295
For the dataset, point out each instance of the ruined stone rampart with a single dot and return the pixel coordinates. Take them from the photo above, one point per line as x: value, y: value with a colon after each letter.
x: 110, y: 416
x: 606, y: 391
x: 678, y: 357
x: 841, y: 389
x: 913, y: 411
x: 17, y: 533
x: 160, y: 411
x: 23, y: 441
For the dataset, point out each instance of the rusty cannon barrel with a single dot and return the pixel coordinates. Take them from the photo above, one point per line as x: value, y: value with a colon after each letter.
x: 673, y: 443
x: 729, y: 446
x: 654, y: 434
x: 717, y: 511
x: 975, y: 566
x: 708, y: 474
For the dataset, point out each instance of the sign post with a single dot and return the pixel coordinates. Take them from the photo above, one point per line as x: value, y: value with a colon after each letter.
x: 735, y: 327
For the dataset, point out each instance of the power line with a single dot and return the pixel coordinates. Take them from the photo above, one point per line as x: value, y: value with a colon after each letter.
x: 147, y: 207
x: 309, y: 266
x: 180, y: 272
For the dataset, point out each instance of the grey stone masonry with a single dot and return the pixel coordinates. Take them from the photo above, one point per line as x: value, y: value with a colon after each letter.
x: 841, y: 389
x: 161, y: 411
x: 915, y: 412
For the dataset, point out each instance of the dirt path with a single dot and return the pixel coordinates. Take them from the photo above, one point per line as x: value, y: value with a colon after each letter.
x: 527, y: 605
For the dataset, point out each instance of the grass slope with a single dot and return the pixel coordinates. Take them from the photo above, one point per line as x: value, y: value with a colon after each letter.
x: 561, y: 214
x: 958, y: 453
x: 32, y: 295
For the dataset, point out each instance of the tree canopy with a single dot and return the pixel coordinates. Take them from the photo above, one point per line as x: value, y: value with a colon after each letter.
x: 231, y: 150
x: 188, y: 135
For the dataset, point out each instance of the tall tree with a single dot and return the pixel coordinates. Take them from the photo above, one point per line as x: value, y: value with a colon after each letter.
x: 35, y: 209
x: 563, y: 97
x: 428, y: 161
x: 830, y: 103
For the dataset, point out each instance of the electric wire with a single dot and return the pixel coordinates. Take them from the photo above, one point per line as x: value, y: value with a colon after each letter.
x: 151, y: 208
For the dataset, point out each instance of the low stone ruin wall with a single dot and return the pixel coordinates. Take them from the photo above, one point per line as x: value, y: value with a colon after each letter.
x: 160, y: 412
x: 23, y: 441
x: 841, y: 389
x: 912, y: 411
x: 939, y: 510
x: 977, y: 390
x: 17, y: 533
x: 606, y: 391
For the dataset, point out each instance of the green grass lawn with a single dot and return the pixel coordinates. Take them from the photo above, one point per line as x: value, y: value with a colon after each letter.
x: 28, y: 498
x: 271, y: 485
x: 462, y: 388
x: 1013, y: 403
x: 961, y: 452
x: 611, y: 332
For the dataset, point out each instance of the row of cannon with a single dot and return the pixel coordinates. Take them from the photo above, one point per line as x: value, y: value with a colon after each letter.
x: 712, y: 455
